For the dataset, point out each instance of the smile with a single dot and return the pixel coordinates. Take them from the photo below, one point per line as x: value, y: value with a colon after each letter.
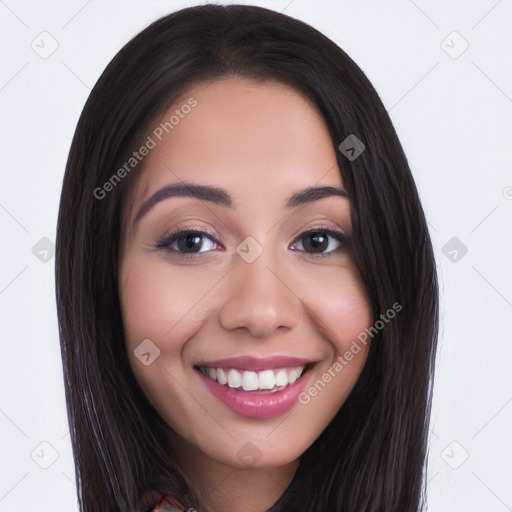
x: 256, y: 388
x: 270, y: 380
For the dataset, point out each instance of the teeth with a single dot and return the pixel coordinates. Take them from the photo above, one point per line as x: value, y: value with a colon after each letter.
x: 293, y: 376
x: 266, y: 379
x: 281, y: 378
x: 234, y: 379
x: 274, y: 380
x: 221, y: 376
x: 249, y: 381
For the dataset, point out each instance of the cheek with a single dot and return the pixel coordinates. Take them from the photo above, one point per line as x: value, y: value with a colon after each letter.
x: 340, y: 306
x: 342, y: 310
x: 160, y: 308
x: 156, y: 305
x: 164, y: 309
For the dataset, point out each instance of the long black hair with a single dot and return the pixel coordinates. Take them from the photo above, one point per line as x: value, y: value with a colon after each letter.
x: 372, y: 455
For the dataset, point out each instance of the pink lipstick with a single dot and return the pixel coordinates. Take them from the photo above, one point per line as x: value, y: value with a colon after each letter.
x: 256, y: 387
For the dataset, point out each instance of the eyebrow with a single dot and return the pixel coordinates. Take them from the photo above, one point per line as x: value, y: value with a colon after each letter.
x: 221, y: 197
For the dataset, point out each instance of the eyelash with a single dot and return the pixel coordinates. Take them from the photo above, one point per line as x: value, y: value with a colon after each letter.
x: 171, y: 237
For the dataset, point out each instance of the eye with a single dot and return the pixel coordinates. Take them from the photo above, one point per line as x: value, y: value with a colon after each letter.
x: 321, y: 241
x: 187, y: 242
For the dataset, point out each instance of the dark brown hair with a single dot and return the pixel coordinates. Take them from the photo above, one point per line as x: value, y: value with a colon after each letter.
x: 372, y: 455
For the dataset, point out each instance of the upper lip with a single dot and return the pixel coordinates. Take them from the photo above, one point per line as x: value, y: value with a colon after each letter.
x: 257, y: 363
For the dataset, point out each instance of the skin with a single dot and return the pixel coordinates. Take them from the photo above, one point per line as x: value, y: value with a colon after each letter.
x: 261, y: 141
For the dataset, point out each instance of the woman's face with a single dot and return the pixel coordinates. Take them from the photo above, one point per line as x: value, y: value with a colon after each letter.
x: 248, y: 303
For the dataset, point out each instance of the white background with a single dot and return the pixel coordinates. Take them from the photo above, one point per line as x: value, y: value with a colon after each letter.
x: 454, y: 119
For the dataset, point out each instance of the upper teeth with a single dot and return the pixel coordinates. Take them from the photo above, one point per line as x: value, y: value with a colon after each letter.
x: 251, y: 380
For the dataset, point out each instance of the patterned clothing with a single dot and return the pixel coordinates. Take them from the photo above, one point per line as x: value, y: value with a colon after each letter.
x: 167, y: 504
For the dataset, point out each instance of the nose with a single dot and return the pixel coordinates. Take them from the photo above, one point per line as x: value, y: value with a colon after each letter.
x: 259, y: 299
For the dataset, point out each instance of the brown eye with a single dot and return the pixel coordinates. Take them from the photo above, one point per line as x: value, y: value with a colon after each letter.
x: 187, y: 242
x: 321, y: 241
x: 316, y: 242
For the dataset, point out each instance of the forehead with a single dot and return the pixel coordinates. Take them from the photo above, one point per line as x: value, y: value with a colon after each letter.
x: 249, y: 137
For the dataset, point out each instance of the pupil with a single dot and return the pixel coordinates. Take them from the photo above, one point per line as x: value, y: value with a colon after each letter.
x: 318, y: 241
x: 189, y: 241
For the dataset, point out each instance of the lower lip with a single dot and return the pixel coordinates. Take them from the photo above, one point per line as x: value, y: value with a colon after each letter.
x: 257, y: 405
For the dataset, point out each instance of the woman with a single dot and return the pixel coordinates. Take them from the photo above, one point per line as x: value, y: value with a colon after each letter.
x: 246, y: 286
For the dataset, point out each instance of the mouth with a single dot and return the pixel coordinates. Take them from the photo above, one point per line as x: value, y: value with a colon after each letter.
x: 254, y: 387
x: 263, y: 381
